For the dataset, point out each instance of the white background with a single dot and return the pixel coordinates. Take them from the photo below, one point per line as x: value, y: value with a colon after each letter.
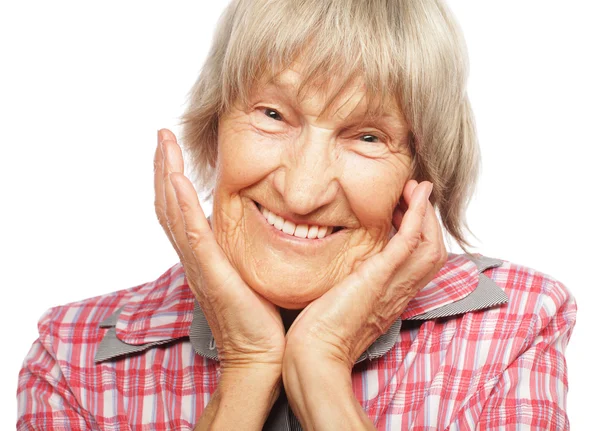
x: 83, y: 89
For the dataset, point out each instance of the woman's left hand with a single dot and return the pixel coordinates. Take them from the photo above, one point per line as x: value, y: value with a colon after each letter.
x: 331, y: 333
x: 346, y: 320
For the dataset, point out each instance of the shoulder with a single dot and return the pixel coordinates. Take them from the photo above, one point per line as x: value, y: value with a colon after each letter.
x: 533, y: 296
x: 80, y: 322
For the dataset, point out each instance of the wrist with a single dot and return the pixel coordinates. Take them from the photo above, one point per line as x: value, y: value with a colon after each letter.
x: 243, y: 399
x: 320, y: 393
x: 264, y: 384
x: 232, y: 370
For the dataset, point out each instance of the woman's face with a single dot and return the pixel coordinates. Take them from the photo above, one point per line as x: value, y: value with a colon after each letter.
x: 299, y: 200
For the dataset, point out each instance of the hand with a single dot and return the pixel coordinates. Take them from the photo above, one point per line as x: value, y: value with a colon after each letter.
x: 248, y: 330
x: 341, y: 324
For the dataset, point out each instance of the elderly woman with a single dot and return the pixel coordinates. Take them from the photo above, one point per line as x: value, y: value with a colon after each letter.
x: 319, y: 294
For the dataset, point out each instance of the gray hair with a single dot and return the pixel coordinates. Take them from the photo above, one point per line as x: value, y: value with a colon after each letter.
x: 410, y: 50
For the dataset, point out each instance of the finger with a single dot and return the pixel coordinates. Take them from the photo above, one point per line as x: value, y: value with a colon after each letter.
x: 440, y: 237
x: 433, y: 240
x: 385, y: 265
x: 159, y: 196
x: 401, y: 207
x: 166, y: 134
x: 429, y: 227
x: 431, y: 255
x: 173, y: 162
x: 194, y: 270
x: 199, y: 236
x: 408, y: 238
x: 187, y: 202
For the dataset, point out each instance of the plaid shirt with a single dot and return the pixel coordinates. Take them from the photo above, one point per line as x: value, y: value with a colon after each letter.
x: 481, y: 347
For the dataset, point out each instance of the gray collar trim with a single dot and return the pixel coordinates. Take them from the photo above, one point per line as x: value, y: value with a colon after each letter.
x: 487, y: 294
x: 201, y: 336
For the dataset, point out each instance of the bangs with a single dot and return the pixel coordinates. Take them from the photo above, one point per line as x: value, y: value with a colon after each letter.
x: 404, y: 56
x: 337, y: 43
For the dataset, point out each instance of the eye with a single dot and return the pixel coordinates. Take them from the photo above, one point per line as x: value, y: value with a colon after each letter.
x: 371, y: 138
x: 271, y: 113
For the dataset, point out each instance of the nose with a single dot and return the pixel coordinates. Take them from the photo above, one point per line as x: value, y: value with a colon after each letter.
x: 308, y: 179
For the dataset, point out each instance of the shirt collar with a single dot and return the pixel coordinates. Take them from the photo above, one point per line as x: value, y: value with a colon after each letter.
x: 165, y: 309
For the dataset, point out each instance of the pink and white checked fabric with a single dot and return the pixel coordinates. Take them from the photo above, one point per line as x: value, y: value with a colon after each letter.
x: 498, y: 368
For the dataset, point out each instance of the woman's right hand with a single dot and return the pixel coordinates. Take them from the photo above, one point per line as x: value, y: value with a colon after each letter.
x: 248, y: 330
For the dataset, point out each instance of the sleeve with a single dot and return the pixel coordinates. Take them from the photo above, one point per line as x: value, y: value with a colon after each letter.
x: 531, y: 393
x: 44, y: 399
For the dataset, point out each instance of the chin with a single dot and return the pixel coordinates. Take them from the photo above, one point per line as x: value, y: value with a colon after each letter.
x: 287, y: 270
x: 291, y: 302
x: 285, y: 303
x: 291, y: 295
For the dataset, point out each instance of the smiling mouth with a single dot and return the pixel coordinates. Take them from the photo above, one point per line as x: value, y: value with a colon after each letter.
x: 306, y: 231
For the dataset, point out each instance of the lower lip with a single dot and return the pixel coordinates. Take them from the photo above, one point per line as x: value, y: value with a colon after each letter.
x: 291, y: 239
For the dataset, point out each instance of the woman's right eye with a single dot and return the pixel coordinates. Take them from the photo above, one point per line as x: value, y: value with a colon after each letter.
x: 271, y: 113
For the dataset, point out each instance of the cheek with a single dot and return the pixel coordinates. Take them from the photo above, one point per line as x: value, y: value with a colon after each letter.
x: 374, y: 188
x: 245, y: 157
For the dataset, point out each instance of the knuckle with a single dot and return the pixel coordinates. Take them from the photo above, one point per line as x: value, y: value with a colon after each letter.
x: 184, y: 206
x: 380, y: 293
x: 412, y: 243
x: 172, y: 224
x: 434, y: 256
x: 410, y: 283
x: 194, y: 239
x: 166, y: 172
x: 159, y: 209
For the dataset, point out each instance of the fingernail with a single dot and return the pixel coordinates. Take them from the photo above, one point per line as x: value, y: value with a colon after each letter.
x: 160, y: 135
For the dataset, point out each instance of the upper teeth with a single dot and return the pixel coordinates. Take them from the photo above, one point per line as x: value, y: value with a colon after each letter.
x: 291, y: 228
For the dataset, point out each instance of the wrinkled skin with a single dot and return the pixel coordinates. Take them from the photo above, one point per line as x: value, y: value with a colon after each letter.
x: 353, y: 284
x: 248, y: 330
x: 319, y: 170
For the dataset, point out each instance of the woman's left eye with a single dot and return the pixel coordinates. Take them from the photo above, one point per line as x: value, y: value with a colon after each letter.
x: 371, y: 138
x: 269, y: 111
